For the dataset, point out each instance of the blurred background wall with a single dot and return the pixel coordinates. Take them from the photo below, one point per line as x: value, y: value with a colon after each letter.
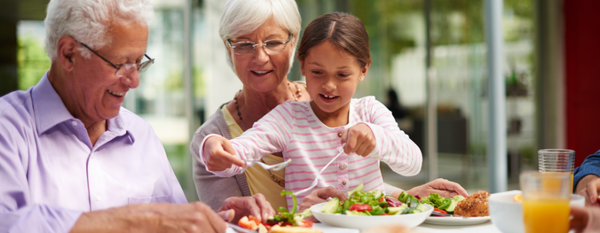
x: 550, y: 56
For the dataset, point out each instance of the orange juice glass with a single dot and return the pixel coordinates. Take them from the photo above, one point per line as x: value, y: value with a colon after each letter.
x: 557, y: 160
x: 546, y: 198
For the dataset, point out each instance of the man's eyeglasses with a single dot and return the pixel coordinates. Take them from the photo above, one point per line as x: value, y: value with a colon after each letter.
x: 125, y: 68
x: 248, y: 47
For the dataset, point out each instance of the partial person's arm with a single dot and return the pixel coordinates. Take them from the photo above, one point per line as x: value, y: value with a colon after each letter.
x: 585, y: 219
x: 586, y: 180
x: 17, y: 213
x: 192, y: 217
x: 393, y: 146
x: 440, y: 186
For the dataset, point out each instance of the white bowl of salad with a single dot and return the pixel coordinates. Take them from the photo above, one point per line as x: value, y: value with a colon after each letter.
x: 364, y: 210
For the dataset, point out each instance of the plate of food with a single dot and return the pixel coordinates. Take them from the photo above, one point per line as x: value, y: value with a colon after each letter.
x: 460, y: 211
x: 364, y: 210
x: 283, y: 222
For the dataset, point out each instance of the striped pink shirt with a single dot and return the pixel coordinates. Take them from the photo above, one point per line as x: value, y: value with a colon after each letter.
x: 294, y: 129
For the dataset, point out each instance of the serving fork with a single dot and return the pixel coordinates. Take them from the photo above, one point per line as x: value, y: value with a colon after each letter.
x: 274, y: 167
x: 316, y: 181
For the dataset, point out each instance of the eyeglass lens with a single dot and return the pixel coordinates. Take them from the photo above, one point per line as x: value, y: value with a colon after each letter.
x: 127, y: 68
x: 270, y: 46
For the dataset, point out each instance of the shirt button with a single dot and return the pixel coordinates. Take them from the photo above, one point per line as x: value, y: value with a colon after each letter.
x: 74, y: 123
x: 340, y: 134
x: 342, y: 166
x: 344, y: 183
x: 98, y: 198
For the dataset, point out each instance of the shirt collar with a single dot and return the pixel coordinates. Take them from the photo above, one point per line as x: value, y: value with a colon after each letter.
x: 49, y: 111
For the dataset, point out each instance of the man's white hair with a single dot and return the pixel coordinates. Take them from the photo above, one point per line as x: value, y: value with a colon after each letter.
x: 241, y: 17
x: 87, y: 21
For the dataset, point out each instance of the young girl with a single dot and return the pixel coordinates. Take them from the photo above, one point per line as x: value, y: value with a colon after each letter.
x: 334, y: 56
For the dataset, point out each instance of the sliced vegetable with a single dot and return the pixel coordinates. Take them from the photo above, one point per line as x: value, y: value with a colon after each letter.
x: 360, y: 207
x: 439, y: 210
x: 393, y: 202
x: 332, y: 207
x: 250, y: 222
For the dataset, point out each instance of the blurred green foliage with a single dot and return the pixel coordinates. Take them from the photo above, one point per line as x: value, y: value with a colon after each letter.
x: 32, y: 61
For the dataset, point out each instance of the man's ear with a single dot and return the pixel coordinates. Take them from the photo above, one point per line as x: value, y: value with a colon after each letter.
x: 363, y: 72
x: 66, y: 50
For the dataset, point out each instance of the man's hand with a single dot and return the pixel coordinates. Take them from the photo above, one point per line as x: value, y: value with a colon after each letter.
x: 219, y: 154
x: 188, y: 218
x: 319, y: 196
x: 359, y: 139
x: 235, y: 208
x: 588, y: 187
x: 441, y: 186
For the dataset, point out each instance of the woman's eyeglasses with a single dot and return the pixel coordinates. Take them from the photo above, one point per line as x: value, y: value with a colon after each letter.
x: 248, y: 47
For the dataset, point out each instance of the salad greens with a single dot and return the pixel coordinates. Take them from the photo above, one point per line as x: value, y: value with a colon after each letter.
x: 442, y: 203
x: 290, y: 217
x: 372, y: 203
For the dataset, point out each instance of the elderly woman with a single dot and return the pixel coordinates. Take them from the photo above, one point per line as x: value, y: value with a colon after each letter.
x: 261, y: 37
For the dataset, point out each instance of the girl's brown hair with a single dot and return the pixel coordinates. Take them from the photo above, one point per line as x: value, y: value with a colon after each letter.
x: 343, y: 30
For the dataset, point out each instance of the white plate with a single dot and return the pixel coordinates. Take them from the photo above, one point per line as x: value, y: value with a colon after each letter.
x: 366, y: 222
x: 456, y: 221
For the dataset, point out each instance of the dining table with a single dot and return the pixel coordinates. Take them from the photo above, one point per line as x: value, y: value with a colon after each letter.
x: 486, y: 227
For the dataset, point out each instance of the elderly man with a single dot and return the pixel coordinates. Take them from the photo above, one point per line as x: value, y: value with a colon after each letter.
x: 71, y: 159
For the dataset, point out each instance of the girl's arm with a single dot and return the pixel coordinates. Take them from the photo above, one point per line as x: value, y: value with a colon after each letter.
x: 267, y: 136
x: 393, y: 146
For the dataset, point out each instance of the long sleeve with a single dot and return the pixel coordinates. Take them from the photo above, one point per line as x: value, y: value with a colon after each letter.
x: 267, y: 136
x: 591, y: 165
x: 394, y: 147
x: 17, y: 213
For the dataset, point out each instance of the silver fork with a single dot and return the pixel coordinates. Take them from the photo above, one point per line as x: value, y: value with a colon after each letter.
x: 316, y: 181
x: 274, y: 167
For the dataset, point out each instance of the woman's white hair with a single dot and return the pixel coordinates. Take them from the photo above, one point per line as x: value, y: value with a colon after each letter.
x: 242, y: 17
x: 87, y: 21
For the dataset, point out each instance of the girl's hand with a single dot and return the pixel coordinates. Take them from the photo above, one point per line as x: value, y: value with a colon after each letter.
x: 219, y: 154
x: 359, y: 139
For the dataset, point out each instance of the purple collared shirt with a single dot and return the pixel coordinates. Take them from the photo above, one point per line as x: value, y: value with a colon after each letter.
x: 50, y: 172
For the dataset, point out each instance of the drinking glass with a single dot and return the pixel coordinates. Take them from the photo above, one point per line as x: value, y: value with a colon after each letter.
x: 557, y: 160
x: 546, y: 197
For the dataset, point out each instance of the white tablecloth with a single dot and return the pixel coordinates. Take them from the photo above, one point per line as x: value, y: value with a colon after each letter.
x: 487, y: 227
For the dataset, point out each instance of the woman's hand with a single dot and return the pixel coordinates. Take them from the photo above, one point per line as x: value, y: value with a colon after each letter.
x: 588, y: 187
x: 359, y: 139
x: 441, y: 186
x: 219, y: 154
x: 319, y: 196
x: 234, y: 208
